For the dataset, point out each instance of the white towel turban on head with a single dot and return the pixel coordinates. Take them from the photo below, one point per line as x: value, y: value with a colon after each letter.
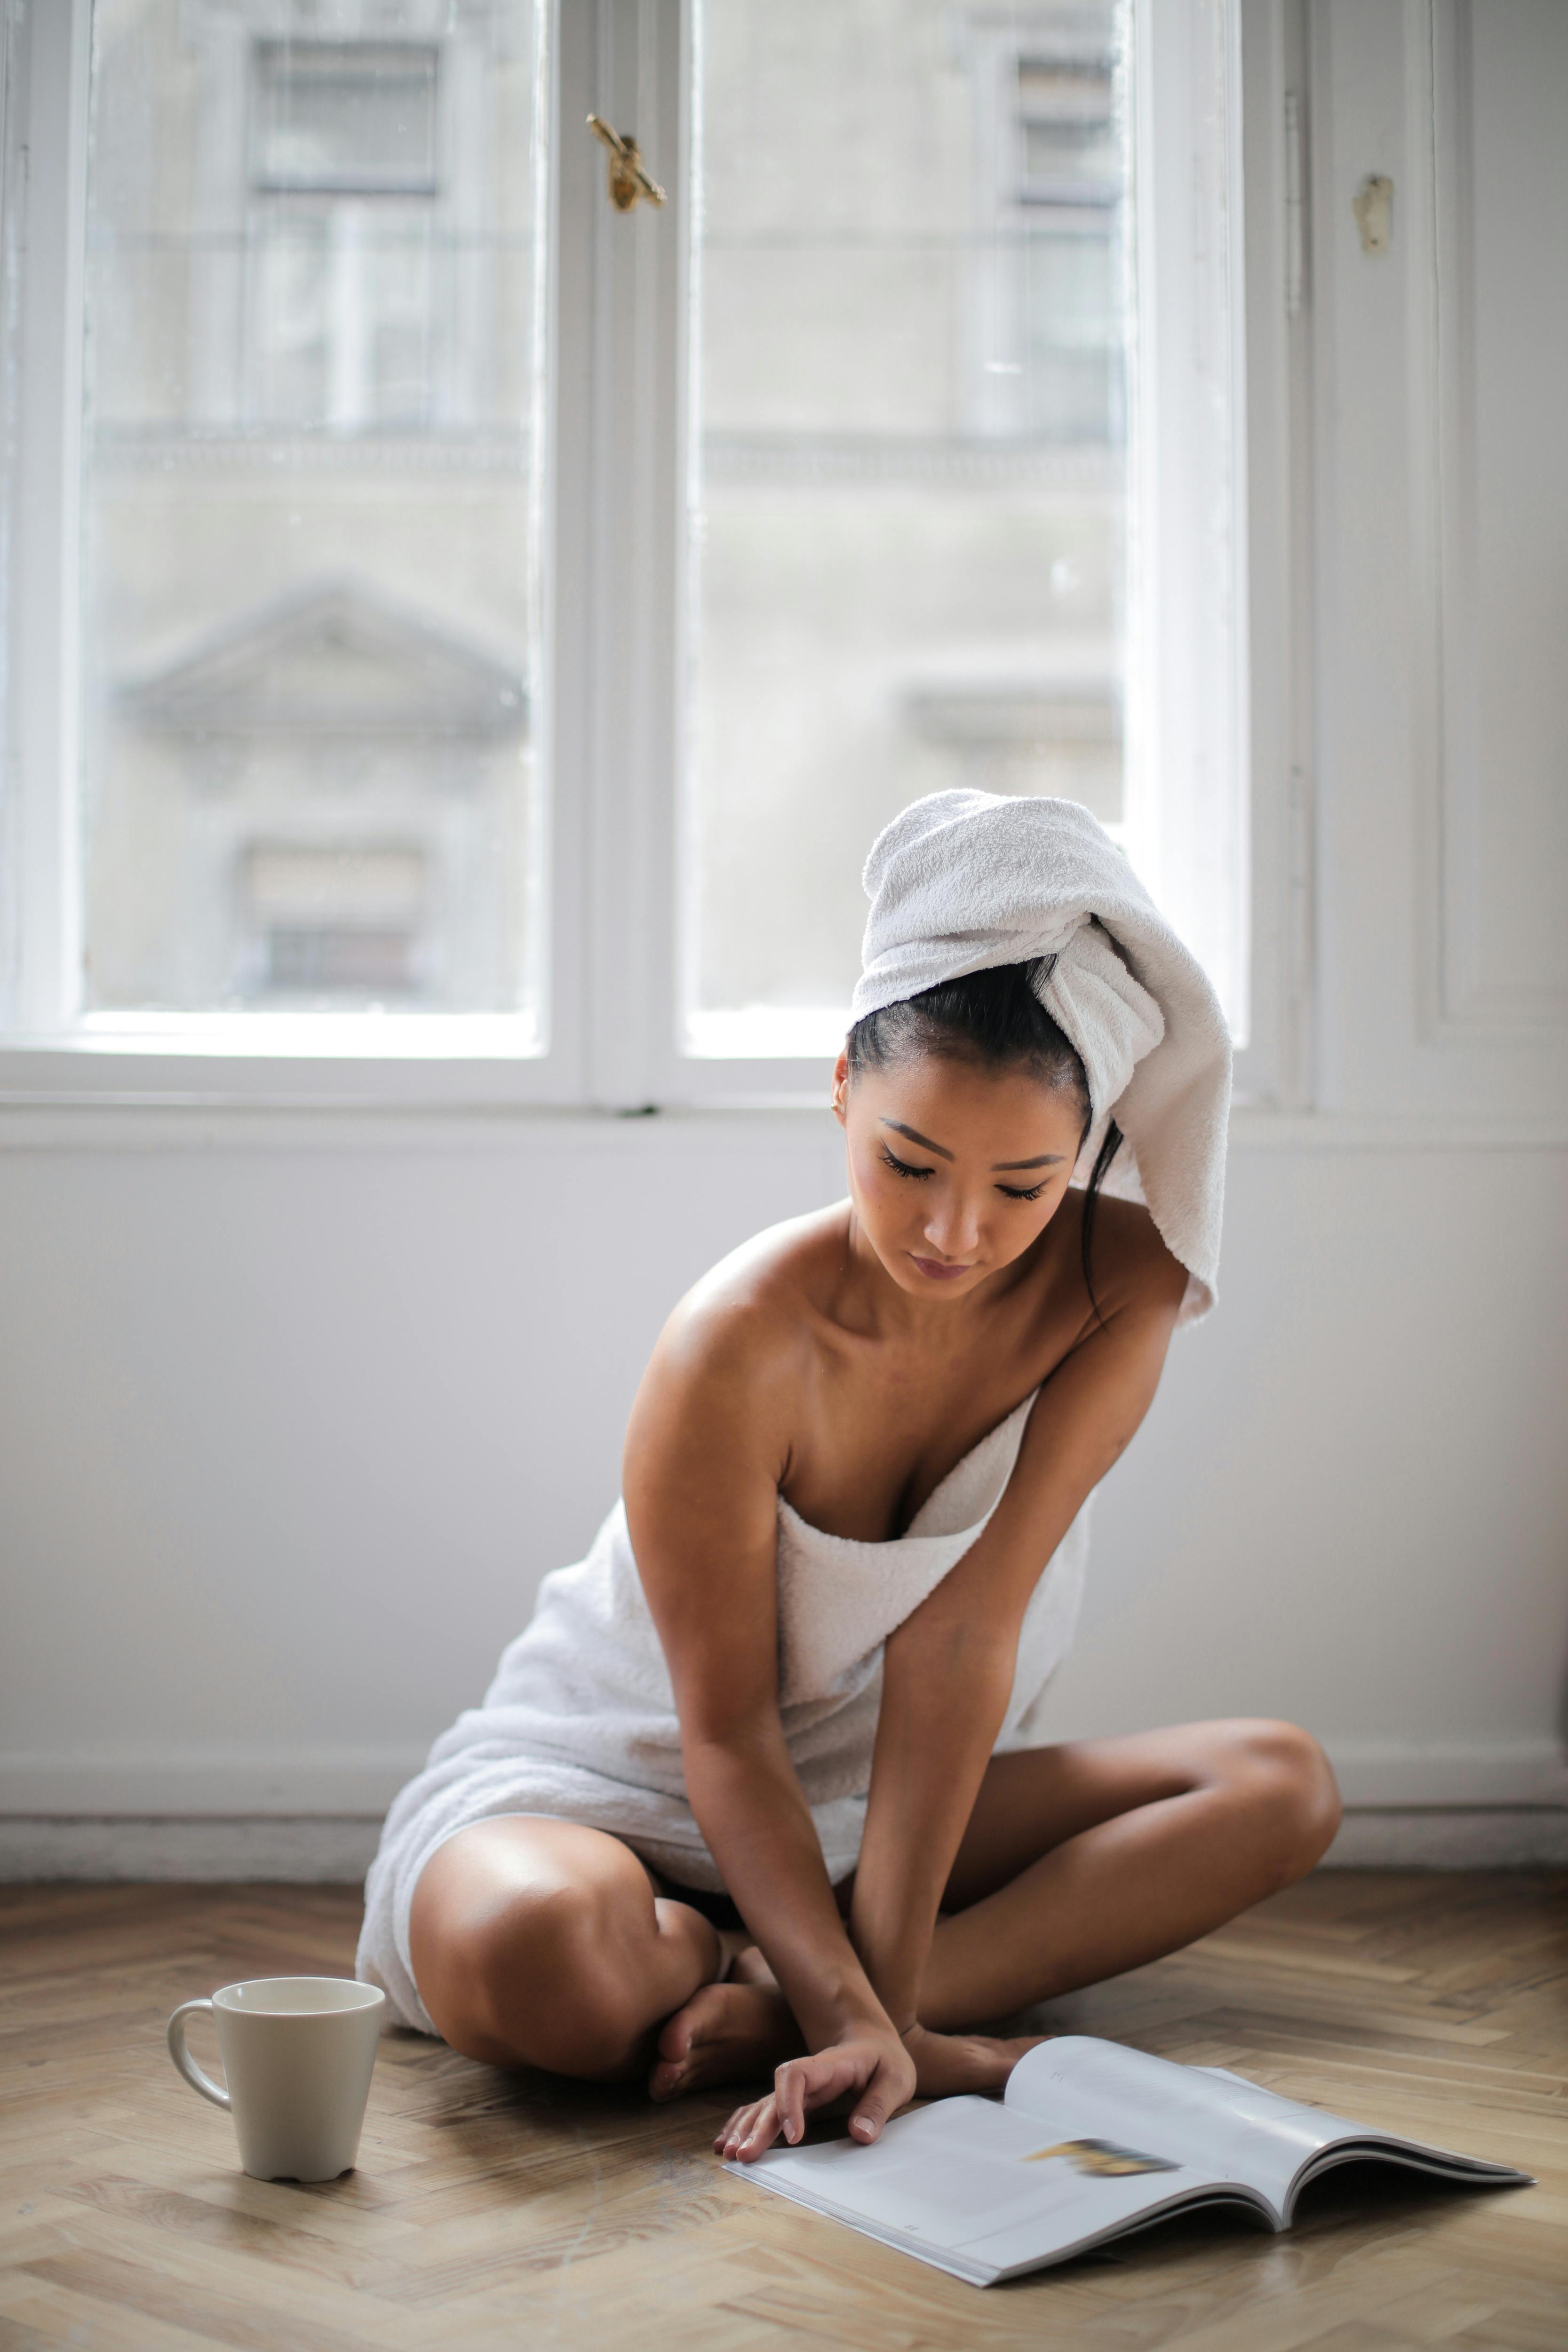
x: 964, y: 881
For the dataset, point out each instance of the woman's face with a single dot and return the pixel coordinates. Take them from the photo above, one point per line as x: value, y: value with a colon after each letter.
x: 953, y: 1168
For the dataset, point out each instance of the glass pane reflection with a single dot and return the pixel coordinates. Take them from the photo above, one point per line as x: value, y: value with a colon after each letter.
x: 311, y: 595
x: 908, y: 489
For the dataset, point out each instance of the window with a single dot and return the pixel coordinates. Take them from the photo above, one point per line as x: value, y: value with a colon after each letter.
x: 490, y: 628
x: 908, y: 495
x: 340, y: 245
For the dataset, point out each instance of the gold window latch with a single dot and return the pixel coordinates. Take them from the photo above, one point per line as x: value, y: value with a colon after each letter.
x: 628, y: 178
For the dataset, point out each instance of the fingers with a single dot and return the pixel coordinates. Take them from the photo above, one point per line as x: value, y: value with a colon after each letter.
x: 870, y: 2114
x: 789, y: 2096
x: 749, y: 2131
x: 801, y: 2085
x: 883, y: 2096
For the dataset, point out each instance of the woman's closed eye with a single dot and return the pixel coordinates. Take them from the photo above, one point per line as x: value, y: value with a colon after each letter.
x: 1008, y: 1192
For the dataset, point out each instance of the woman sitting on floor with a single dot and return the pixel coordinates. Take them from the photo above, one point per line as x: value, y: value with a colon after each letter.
x: 759, y: 1792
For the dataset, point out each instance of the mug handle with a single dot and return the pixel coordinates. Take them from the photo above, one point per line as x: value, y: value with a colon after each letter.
x: 183, y: 2060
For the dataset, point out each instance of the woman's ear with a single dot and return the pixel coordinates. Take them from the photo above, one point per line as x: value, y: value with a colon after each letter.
x: 840, y: 1087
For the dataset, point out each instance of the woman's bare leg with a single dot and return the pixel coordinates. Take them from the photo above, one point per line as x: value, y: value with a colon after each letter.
x: 1080, y: 1861
x: 1085, y: 1860
x: 540, y: 1943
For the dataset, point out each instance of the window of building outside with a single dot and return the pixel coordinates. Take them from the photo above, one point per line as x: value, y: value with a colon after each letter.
x: 343, y: 308
x: 316, y: 491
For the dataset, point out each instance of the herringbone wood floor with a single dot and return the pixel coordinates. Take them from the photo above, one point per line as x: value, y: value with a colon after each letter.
x: 491, y: 2211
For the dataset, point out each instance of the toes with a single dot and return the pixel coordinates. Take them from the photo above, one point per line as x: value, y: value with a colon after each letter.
x: 699, y: 2022
x: 675, y: 2037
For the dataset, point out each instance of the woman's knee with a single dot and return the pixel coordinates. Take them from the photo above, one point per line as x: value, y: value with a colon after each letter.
x: 557, y: 1985
x: 540, y: 1976
x: 1281, y: 1775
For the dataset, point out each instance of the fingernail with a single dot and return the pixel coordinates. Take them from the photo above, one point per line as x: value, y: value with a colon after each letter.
x: 792, y: 2133
x: 865, y: 2126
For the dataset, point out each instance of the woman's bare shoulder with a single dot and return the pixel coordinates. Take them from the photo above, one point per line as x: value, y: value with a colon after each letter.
x: 1131, y: 1263
x: 737, y: 1347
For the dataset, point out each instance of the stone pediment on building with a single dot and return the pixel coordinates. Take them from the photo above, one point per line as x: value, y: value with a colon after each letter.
x: 335, y: 658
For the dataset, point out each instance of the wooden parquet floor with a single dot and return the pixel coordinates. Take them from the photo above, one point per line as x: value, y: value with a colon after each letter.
x: 493, y: 2210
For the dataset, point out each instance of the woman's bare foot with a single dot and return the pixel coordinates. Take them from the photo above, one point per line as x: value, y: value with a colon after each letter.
x: 948, y: 2064
x: 733, y: 2032
x: 733, y: 1943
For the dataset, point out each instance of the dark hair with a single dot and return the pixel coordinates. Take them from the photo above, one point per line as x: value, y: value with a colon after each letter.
x: 996, y: 1019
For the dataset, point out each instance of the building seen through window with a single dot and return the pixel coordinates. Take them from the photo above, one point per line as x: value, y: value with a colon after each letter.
x: 310, y: 592
x: 908, y: 499
x: 311, y: 596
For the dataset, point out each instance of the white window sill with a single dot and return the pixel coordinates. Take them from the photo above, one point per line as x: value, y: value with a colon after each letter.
x: 461, y: 1085
x: 374, y: 1060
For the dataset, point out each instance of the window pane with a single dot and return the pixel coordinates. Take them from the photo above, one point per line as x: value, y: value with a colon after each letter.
x: 310, y: 457
x: 908, y: 488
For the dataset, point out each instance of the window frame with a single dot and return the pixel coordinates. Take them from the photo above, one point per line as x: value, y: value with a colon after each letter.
x: 614, y: 621
x: 46, y: 1050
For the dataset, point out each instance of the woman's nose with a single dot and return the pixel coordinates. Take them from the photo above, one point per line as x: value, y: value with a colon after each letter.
x: 952, y: 1228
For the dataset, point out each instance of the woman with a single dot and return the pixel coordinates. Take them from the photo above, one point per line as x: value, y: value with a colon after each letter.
x: 758, y: 1791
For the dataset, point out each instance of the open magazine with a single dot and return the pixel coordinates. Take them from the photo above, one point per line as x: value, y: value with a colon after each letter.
x: 1091, y: 2141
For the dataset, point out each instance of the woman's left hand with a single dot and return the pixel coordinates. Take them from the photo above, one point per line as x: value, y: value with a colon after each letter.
x: 874, y: 2069
x: 941, y: 2066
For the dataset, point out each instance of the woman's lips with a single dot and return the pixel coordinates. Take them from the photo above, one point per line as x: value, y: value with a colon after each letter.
x: 935, y: 1271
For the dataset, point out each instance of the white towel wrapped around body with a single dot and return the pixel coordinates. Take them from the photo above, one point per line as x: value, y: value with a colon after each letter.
x: 580, y: 1722
x: 964, y: 881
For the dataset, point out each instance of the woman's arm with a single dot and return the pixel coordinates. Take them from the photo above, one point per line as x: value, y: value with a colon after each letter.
x: 705, y: 1453
x: 948, y: 1670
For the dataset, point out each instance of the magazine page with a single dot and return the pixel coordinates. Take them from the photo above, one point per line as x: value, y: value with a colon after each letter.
x: 980, y: 2190
x: 1213, y: 2120
x: 1216, y: 2119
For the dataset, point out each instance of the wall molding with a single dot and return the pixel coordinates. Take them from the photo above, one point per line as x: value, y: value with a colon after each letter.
x: 330, y: 1849
x: 139, y: 1126
x: 201, y: 1784
x: 1382, y: 1774
x: 1473, y: 1838
x: 335, y: 1849
x: 1258, y: 1126
x: 334, y: 1783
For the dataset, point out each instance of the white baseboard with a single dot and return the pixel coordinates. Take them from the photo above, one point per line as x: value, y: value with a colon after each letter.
x: 146, y: 1783
x: 330, y: 1783
x: 1479, y: 1837
x: 323, y: 1849
x: 1449, y: 1776
x: 336, y: 1849
x: 313, y: 1815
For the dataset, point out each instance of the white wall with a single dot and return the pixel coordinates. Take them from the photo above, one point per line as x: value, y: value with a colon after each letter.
x: 292, y: 1430
x: 296, y: 1409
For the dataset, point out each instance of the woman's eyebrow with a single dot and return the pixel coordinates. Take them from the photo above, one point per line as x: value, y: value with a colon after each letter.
x: 915, y: 1136
x: 998, y: 1167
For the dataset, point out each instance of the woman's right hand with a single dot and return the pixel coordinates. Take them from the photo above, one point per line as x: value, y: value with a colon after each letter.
x: 873, y: 2068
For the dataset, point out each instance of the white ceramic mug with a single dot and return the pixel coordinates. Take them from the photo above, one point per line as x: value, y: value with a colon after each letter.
x: 298, y: 2054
